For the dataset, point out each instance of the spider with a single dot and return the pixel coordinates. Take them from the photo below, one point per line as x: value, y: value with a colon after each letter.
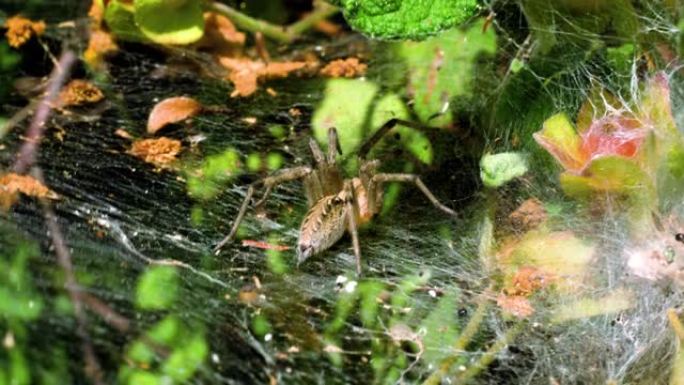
x: 335, y: 204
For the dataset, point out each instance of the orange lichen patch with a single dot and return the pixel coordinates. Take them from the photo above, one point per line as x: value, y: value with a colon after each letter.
x: 517, y: 306
x: 79, y: 92
x: 264, y: 245
x: 21, y: 29
x: 96, y: 13
x: 12, y: 184
x: 172, y: 110
x: 100, y: 44
x: 528, y: 215
x: 245, y: 73
x: 221, y: 36
x: 160, y: 152
x: 348, y: 68
x: 526, y: 281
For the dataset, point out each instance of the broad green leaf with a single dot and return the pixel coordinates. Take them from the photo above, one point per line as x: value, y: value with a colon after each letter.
x: 347, y: 104
x: 121, y: 21
x: 170, y: 21
x: 405, y: 19
x: 185, y: 359
x: 441, y: 68
x: 498, y: 169
x: 157, y: 288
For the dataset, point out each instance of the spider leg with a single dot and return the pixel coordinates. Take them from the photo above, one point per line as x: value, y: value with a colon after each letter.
x: 351, y: 218
x: 384, y: 129
x: 379, y: 179
x: 333, y: 145
x: 317, y: 153
x: 285, y: 175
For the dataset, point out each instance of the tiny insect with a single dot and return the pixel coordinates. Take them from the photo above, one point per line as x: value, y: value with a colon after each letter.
x: 336, y: 205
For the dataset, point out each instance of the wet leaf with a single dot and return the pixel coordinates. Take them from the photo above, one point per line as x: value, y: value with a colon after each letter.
x: 170, y: 21
x: 172, y: 110
x: 498, y: 169
x: 405, y: 19
x: 157, y: 288
x: 160, y: 152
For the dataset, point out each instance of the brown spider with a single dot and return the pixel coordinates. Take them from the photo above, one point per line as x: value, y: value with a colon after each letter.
x: 335, y: 204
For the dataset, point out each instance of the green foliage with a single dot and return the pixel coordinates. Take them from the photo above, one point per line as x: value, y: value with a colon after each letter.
x: 170, y: 352
x: 498, y: 169
x: 441, y: 68
x: 159, y: 21
x: 405, y: 19
x: 18, y: 300
x: 158, y: 288
x: 357, y: 109
x: 215, y: 171
x: 170, y: 21
x: 441, y: 328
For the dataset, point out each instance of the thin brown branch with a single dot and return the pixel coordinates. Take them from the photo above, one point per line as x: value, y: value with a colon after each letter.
x: 28, y: 151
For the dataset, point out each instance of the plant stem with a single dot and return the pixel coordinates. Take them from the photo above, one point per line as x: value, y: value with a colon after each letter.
x: 463, y: 340
x: 283, y: 34
x: 490, y: 354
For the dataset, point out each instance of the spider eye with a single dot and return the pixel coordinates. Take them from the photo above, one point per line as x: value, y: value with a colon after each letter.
x: 679, y: 237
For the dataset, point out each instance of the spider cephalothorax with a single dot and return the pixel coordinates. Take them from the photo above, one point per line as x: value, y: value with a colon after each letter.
x: 336, y: 205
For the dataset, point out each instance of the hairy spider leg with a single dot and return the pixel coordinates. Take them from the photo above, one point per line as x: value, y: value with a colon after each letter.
x: 334, y: 147
x: 283, y: 176
x: 351, y: 218
x: 378, y: 179
x: 384, y: 129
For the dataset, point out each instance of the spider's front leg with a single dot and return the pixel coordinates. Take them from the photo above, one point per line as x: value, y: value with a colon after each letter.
x: 285, y: 175
x: 352, y: 213
x: 378, y: 179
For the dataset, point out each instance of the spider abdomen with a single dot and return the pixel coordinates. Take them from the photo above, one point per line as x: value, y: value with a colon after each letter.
x: 323, y: 226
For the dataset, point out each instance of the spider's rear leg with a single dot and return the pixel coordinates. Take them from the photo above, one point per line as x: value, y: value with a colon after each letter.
x: 284, y: 175
x: 379, y: 179
x: 384, y: 129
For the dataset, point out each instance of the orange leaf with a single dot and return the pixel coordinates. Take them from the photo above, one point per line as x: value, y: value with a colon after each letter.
x: 79, y: 92
x: 172, y: 110
x: 160, y: 152
x: 264, y: 245
x: 515, y: 305
x: 20, y: 30
x: 348, y: 68
x: 245, y: 73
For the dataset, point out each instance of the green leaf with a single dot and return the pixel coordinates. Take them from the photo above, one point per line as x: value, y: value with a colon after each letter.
x: 121, y: 21
x: 406, y: 19
x: 165, y: 331
x: 170, y: 21
x: 441, y: 329
x: 621, y: 58
x: 441, y: 68
x: 184, y: 361
x: 157, y: 288
x: 498, y: 169
x: 613, y: 174
x: 216, y: 170
x: 140, y: 377
x: 347, y: 104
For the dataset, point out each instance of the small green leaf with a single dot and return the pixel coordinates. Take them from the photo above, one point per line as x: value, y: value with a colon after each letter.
x: 121, y: 21
x: 406, y: 19
x: 170, y: 21
x: 165, y: 331
x: 621, y: 58
x: 141, y: 377
x: 157, y: 288
x: 184, y: 361
x: 498, y: 169
x: 207, y: 180
x: 516, y: 65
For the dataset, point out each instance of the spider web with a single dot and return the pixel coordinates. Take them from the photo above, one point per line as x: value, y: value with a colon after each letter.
x: 120, y: 216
